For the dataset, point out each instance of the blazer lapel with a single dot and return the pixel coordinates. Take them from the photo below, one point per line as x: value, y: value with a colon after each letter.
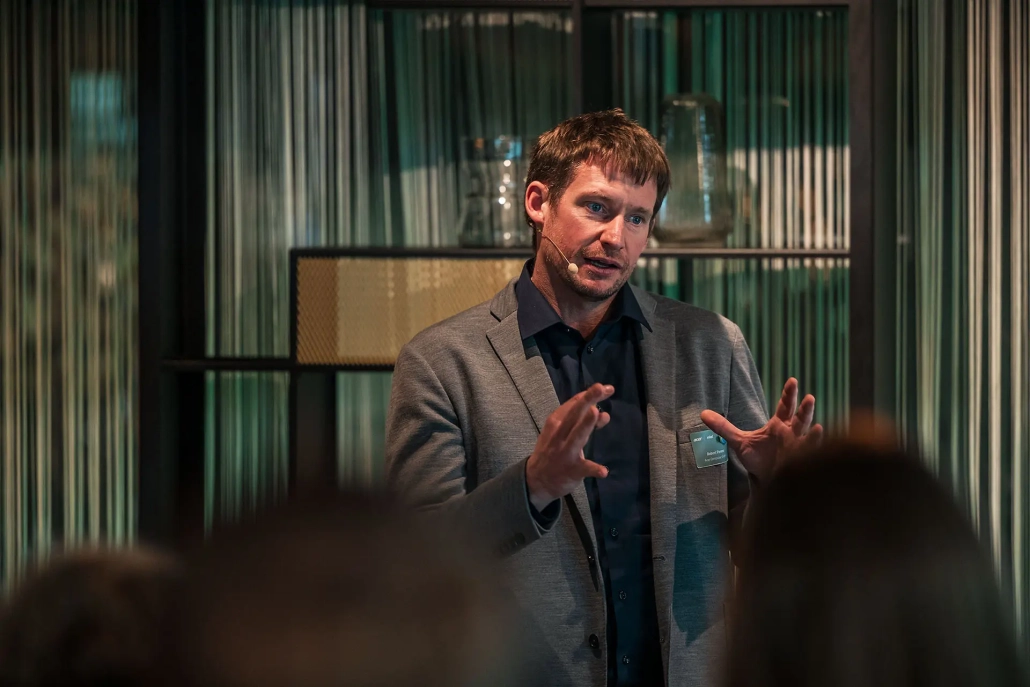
x: 658, y: 350
x: 526, y: 368
x: 658, y: 353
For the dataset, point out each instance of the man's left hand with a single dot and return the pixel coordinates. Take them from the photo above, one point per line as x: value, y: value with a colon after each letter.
x: 763, y: 450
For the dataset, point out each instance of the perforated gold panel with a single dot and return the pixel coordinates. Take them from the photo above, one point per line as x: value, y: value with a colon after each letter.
x: 361, y: 311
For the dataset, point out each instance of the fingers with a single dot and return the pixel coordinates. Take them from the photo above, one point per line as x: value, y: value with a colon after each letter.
x: 723, y: 427
x: 594, y: 394
x: 584, y: 399
x: 814, y: 437
x: 788, y: 400
x: 582, y: 418
x: 580, y: 427
x: 802, y: 422
x: 569, y: 412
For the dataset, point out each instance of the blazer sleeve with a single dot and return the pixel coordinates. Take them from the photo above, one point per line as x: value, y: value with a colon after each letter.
x: 747, y: 410
x: 427, y: 464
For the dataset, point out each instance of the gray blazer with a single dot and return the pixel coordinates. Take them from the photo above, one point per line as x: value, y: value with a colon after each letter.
x: 467, y: 405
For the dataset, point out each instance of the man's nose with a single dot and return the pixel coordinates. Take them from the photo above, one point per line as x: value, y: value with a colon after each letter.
x: 613, y: 232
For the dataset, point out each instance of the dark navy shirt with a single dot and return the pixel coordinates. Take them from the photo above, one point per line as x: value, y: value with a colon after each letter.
x: 620, y: 504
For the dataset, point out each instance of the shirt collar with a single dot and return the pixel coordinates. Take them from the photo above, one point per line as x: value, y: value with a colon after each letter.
x: 536, y: 314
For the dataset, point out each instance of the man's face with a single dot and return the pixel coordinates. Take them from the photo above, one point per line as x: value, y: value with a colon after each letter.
x: 602, y: 225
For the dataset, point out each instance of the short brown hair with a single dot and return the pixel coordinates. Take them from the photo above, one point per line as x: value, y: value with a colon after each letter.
x: 608, y: 139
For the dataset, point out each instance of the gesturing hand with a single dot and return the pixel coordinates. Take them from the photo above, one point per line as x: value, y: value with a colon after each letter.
x: 558, y: 465
x: 763, y: 450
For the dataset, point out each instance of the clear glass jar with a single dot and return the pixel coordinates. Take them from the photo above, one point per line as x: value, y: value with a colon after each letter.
x: 698, y: 210
x: 492, y: 208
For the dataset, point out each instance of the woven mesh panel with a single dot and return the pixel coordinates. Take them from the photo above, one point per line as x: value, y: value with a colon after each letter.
x: 361, y: 311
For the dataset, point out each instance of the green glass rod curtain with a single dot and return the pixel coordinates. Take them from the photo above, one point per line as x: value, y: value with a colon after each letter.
x: 963, y: 263
x: 68, y: 281
x: 781, y: 79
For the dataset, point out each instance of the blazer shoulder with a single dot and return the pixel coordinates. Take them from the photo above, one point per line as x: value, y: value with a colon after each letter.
x: 454, y: 333
x: 697, y: 321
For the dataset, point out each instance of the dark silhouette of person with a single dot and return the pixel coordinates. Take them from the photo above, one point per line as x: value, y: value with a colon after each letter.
x: 861, y: 571
x: 90, y: 618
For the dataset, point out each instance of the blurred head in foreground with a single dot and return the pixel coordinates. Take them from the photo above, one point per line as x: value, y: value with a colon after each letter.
x: 91, y: 618
x: 346, y: 590
x: 861, y: 572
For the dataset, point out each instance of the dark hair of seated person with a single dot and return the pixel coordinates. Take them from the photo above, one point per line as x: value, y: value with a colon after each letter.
x: 861, y: 571
x: 86, y: 619
x: 336, y: 589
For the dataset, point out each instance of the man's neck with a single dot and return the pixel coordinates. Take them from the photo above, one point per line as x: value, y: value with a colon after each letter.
x: 583, y: 315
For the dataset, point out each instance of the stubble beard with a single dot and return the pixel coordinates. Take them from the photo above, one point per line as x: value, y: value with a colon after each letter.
x: 583, y: 290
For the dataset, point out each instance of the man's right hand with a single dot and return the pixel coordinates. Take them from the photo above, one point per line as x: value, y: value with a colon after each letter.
x: 558, y: 465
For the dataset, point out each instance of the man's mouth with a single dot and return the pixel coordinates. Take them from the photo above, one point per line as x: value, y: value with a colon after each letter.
x: 603, y: 264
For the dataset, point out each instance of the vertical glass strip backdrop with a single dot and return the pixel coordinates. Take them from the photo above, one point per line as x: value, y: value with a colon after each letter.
x: 333, y: 124
x: 781, y: 79
x: 963, y: 262
x: 246, y: 431
x: 67, y: 275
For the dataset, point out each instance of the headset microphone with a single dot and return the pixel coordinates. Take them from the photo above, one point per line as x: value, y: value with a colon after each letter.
x: 572, y: 267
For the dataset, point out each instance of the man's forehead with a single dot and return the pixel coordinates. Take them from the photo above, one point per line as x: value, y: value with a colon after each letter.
x: 591, y: 176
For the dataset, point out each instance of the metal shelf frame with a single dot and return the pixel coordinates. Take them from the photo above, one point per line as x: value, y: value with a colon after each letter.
x: 679, y: 253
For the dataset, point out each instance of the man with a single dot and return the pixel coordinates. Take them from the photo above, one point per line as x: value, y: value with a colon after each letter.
x: 565, y: 421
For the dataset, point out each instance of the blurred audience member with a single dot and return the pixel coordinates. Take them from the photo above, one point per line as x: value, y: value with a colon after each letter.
x: 861, y: 571
x: 339, y: 591
x: 91, y: 618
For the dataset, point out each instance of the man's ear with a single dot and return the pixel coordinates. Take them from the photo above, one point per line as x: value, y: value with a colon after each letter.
x: 536, y: 202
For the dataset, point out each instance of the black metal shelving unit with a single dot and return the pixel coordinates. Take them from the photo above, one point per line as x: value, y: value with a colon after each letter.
x: 173, y: 198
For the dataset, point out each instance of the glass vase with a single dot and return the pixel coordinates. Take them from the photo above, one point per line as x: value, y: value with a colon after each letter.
x: 698, y: 210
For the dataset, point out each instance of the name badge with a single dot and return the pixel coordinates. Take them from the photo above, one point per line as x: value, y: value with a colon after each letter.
x: 709, y: 449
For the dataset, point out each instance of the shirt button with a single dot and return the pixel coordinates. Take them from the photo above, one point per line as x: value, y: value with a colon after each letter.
x: 614, y: 532
x: 622, y: 595
x: 625, y: 659
x: 595, y: 643
x: 590, y: 349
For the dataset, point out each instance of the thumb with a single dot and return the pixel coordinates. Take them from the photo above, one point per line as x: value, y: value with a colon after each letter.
x: 591, y: 469
x: 721, y: 426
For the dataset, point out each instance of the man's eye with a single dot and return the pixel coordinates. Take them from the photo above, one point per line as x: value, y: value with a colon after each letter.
x: 595, y: 207
x: 637, y: 220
